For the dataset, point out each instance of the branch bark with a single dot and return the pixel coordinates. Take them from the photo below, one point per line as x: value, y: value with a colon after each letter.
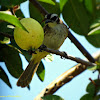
x: 80, y: 47
x: 70, y: 36
x: 64, y: 54
x: 65, y: 78
x: 57, y: 52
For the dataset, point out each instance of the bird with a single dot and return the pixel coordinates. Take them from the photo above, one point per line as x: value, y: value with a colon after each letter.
x: 55, y: 33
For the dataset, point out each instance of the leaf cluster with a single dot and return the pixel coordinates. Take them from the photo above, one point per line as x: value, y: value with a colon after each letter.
x: 92, y: 90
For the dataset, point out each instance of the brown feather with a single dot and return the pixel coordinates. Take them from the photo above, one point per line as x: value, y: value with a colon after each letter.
x: 27, y: 75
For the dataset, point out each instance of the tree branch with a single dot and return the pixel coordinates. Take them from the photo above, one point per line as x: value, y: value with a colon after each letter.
x: 39, y: 7
x: 80, y: 47
x: 65, y: 78
x: 64, y: 54
x: 70, y: 36
x: 57, y: 52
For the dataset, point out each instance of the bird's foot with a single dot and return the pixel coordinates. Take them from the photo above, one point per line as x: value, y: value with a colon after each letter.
x: 42, y: 47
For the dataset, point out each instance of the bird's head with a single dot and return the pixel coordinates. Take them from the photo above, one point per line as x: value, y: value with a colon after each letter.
x: 52, y: 19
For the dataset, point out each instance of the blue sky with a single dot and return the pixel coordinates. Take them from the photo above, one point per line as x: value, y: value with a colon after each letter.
x: 70, y: 91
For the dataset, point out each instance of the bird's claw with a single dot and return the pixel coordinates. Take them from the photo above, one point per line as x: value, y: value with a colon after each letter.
x: 42, y: 47
x: 64, y: 54
x: 31, y: 51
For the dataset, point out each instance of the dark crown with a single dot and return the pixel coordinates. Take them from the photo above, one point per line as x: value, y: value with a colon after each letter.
x: 52, y: 17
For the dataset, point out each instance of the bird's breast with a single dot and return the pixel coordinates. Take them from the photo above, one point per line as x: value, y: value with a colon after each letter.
x: 55, y: 36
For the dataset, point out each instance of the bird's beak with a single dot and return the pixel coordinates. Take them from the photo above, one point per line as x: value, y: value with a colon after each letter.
x: 47, y: 21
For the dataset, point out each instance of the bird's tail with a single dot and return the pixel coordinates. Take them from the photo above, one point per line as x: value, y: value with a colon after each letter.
x: 27, y: 75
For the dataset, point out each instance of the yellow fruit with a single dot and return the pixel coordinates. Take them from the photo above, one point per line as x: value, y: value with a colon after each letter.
x: 31, y: 40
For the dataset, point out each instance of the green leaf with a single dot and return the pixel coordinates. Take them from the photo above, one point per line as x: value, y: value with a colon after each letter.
x: 47, y: 1
x: 94, y: 40
x: 26, y: 54
x: 62, y: 3
x: 87, y: 97
x: 91, y: 88
x: 52, y: 97
x: 75, y: 15
x: 52, y: 8
x: 94, y: 67
x: 97, y: 97
x: 41, y: 71
x: 95, y: 24
x: 11, y: 19
x: 5, y: 40
x: 11, y: 57
x: 2, y: 8
x: 19, y: 14
x: 4, y: 28
x: 95, y: 27
x: 34, y: 13
x: 49, y: 58
x: 4, y: 77
x: 11, y: 3
x: 98, y: 1
x: 23, y: 52
x: 79, y: 17
x: 95, y: 31
x: 90, y: 5
x: 94, y: 37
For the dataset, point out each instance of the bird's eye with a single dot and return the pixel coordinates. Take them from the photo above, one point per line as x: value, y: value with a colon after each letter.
x: 54, y: 18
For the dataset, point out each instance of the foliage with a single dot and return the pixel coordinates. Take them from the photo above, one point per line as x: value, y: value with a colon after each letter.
x: 82, y: 16
x: 93, y: 90
x: 52, y: 97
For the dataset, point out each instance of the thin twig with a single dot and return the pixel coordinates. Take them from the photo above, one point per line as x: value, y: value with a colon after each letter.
x: 93, y: 82
x: 64, y: 54
x: 65, y: 78
x: 39, y: 7
x: 70, y: 36
x: 7, y: 35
